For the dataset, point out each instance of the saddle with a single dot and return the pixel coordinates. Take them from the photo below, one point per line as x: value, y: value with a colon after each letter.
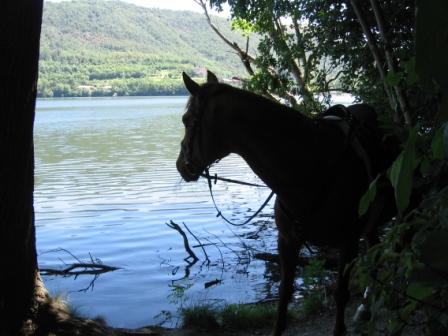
x: 359, y: 124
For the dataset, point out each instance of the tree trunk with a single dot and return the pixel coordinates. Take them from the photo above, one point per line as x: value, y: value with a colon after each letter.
x: 20, y: 23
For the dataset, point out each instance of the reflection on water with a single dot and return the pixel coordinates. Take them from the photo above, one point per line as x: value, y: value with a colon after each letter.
x: 106, y: 184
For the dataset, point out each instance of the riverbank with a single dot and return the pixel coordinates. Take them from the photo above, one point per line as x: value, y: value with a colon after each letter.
x: 319, y: 323
x: 59, y: 320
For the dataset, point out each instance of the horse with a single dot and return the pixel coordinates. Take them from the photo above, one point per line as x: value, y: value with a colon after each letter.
x: 317, y: 176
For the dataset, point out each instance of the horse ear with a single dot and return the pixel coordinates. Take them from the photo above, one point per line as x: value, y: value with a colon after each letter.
x: 211, y: 77
x: 190, y: 84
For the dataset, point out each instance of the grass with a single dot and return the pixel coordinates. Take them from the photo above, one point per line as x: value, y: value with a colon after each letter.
x: 202, y: 317
x: 311, y: 304
x: 248, y: 316
x: 232, y: 317
x: 260, y: 316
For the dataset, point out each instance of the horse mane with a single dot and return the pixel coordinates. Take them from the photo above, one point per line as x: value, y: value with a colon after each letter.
x: 210, y: 90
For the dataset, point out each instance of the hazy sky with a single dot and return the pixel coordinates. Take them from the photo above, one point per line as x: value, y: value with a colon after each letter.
x: 167, y: 4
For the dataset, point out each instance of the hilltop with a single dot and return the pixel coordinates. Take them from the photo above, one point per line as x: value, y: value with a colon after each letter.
x: 102, y: 48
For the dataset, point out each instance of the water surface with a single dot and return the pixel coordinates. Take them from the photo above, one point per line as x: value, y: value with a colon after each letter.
x: 106, y: 185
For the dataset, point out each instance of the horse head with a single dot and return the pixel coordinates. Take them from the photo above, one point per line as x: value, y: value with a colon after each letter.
x: 200, y: 146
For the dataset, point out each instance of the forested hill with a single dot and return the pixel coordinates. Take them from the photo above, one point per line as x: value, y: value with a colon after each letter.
x: 98, y: 47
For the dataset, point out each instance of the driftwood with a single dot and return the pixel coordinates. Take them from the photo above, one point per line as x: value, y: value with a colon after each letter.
x: 199, y: 242
x: 79, y: 269
x: 212, y: 283
x: 190, y: 252
x: 95, y: 267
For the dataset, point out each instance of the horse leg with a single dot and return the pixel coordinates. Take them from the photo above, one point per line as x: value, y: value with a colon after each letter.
x: 342, y: 294
x: 288, y: 249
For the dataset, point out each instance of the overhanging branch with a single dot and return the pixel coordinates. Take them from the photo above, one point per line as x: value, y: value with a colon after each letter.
x: 245, y: 57
x: 376, y: 55
x: 390, y: 60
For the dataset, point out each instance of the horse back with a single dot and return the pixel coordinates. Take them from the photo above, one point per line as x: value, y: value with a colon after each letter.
x: 331, y: 216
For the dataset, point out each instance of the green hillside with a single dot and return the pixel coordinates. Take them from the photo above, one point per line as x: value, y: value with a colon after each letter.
x: 103, y: 48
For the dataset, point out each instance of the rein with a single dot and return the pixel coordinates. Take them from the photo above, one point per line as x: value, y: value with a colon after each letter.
x: 215, y: 178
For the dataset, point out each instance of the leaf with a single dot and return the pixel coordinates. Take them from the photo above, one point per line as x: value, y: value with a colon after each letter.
x: 408, y: 309
x: 418, y: 291
x: 401, y: 172
x: 368, y: 197
x: 393, y: 78
x: 243, y: 26
x: 437, y: 145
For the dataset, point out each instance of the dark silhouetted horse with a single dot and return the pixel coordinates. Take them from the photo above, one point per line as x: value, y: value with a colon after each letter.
x: 311, y: 165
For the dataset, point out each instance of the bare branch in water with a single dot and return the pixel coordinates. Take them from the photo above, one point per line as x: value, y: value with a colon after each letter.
x: 79, y: 269
x: 192, y: 255
x: 199, y: 242
x: 94, y: 267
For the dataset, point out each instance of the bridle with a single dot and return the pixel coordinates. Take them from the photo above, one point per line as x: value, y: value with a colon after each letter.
x: 192, y: 168
x: 186, y: 152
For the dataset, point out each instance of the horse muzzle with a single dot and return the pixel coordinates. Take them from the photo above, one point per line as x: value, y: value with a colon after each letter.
x: 186, y: 170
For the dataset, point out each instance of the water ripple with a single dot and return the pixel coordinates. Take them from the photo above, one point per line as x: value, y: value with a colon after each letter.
x: 106, y: 184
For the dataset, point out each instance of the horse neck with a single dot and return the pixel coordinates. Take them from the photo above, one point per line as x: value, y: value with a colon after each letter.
x: 270, y: 137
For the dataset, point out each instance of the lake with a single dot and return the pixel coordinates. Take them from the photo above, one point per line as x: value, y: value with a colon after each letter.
x: 106, y: 185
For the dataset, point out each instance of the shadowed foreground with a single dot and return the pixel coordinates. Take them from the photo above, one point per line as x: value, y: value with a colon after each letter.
x: 58, y: 319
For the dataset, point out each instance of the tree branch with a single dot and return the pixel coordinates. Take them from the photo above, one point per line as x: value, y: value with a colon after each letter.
x: 376, y: 55
x: 328, y: 82
x: 199, y: 242
x: 246, y: 59
x: 176, y: 227
x: 299, y: 38
x: 294, y: 68
x: 391, y: 61
x: 84, y: 268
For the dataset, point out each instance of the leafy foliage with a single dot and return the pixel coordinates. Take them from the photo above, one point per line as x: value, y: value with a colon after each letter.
x: 401, y: 172
x: 368, y: 197
x: 290, y: 62
x: 104, y: 48
x: 315, y: 282
x: 409, y: 280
